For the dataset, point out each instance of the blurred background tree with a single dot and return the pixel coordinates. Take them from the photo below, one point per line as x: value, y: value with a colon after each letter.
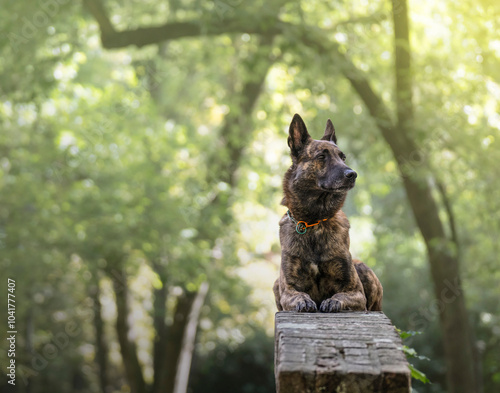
x: 141, y: 156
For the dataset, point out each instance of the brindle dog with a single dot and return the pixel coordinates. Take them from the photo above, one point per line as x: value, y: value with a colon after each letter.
x: 317, y: 270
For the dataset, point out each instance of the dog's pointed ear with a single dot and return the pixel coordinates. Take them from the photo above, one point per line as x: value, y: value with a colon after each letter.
x: 329, y: 132
x: 299, y: 137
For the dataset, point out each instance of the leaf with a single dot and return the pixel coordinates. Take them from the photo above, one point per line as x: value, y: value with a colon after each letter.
x: 403, y: 334
x: 410, y: 352
x: 417, y: 374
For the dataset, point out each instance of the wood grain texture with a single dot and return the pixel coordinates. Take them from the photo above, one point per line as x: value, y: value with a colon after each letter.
x: 351, y: 352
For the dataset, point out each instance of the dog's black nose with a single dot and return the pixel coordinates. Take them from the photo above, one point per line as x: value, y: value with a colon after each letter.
x: 350, y: 174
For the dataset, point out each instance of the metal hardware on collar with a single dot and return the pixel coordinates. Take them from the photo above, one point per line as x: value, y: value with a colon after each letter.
x: 301, y: 226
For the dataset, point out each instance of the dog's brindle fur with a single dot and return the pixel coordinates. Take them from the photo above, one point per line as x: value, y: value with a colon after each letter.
x: 317, y: 270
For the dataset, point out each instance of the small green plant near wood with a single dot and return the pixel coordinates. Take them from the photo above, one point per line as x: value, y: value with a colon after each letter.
x: 412, y: 354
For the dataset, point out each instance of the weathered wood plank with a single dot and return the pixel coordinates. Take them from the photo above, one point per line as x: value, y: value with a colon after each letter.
x: 347, y: 352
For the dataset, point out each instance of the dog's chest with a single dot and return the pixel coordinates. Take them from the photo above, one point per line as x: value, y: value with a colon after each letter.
x: 317, y: 244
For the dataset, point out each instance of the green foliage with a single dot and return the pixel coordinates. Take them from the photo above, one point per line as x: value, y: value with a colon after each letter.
x: 412, y: 354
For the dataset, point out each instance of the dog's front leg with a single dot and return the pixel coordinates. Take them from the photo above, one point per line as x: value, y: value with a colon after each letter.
x: 292, y: 286
x: 292, y: 300
x: 353, y: 301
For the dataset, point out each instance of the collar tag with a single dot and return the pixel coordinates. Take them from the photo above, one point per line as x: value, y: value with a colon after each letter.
x: 301, y: 226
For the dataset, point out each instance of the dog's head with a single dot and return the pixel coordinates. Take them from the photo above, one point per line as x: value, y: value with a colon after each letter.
x: 318, y: 165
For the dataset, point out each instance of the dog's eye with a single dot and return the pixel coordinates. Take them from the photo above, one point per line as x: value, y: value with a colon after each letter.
x: 321, y: 157
x: 342, y: 156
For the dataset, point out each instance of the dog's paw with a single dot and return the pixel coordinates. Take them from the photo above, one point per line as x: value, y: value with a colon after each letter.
x: 306, y: 305
x: 330, y: 305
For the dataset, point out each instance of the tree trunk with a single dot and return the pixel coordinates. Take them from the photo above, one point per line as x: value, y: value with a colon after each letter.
x: 186, y: 355
x: 133, y: 371
x: 443, y: 258
x: 160, y: 340
x: 30, y: 332
x: 101, y: 343
x: 165, y: 379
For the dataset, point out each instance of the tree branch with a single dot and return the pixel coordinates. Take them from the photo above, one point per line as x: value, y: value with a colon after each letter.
x: 97, y: 10
x: 112, y: 39
x: 268, y: 25
x: 449, y: 212
x: 401, y: 145
x: 402, y: 61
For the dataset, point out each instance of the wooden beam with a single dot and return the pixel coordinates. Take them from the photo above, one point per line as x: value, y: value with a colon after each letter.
x: 355, y: 352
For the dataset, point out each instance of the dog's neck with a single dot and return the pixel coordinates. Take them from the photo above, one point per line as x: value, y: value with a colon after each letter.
x: 313, y: 206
